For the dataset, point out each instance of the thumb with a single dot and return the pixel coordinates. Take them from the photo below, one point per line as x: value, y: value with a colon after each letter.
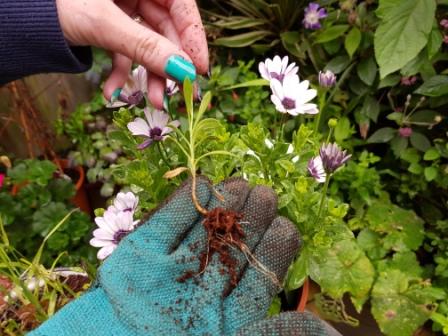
x: 121, y: 34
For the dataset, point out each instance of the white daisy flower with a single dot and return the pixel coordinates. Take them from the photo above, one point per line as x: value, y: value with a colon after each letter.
x: 134, y: 90
x: 278, y: 69
x: 292, y: 96
x: 316, y: 169
x: 113, y: 227
x: 154, y: 128
x: 126, y: 202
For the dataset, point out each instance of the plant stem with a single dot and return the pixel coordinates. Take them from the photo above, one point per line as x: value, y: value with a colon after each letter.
x: 322, y: 103
x: 304, y: 296
x: 323, y: 197
x: 163, y: 154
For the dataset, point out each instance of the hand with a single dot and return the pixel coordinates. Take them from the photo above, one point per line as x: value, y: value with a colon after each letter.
x: 168, y: 28
x: 138, y: 291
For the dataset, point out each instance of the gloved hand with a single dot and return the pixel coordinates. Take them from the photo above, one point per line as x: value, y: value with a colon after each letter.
x: 138, y: 293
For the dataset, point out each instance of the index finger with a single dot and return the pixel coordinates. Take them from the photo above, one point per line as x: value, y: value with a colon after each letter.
x: 188, y: 23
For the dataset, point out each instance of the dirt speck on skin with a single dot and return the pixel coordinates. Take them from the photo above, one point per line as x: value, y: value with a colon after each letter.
x: 223, y: 232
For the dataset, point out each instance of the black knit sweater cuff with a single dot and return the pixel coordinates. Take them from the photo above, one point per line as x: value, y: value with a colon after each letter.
x: 31, y: 41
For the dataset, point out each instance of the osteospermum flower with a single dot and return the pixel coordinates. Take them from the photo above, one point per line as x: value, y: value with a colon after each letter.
x: 134, y: 90
x: 292, y: 96
x: 327, y: 79
x: 113, y: 227
x: 316, y: 169
x: 277, y: 68
x: 126, y: 202
x: 154, y: 128
x: 332, y: 157
x: 171, y: 87
x: 313, y: 13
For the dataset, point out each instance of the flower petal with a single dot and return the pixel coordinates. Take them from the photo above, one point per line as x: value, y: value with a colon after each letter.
x: 139, y: 127
x: 106, y: 251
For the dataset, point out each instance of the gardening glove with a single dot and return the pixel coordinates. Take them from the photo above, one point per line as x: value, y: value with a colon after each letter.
x: 139, y: 289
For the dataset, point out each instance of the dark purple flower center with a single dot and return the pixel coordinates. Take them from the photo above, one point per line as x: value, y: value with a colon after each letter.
x: 119, y: 235
x: 288, y: 103
x: 278, y: 76
x: 135, y: 98
x: 128, y: 210
x: 156, y: 134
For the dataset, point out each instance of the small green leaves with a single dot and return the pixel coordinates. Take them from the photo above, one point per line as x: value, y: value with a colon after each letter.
x: 352, y: 41
x: 331, y: 33
x: 382, y: 135
x: 434, y: 87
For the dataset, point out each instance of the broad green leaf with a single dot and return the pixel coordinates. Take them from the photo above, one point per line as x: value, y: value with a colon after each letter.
x: 405, y: 262
x: 395, y: 306
x: 367, y: 70
x: 402, y: 33
x: 343, y: 129
x: 352, y: 41
x: 420, y: 141
x: 331, y: 33
x: 389, y: 80
x: 384, y: 134
x: 370, y: 242
x: 424, y: 116
x: 338, y: 64
x: 414, y: 65
x: 411, y: 155
x: 371, y: 108
x: 298, y: 272
x: 435, y: 40
x: 291, y: 42
x: 431, y: 173
x: 434, y: 87
x: 239, y: 22
x: 398, y: 145
x: 242, y: 40
x: 415, y: 168
x: 431, y: 154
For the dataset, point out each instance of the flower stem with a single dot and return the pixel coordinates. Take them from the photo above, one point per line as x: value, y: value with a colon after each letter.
x: 322, y: 103
x: 323, y: 197
x: 163, y: 154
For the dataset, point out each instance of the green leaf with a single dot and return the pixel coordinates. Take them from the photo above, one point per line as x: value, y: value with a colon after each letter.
x: 297, y: 272
x: 382, y: 135
x: 395, y: 307
x: 352, y: 41
x: 253, y: 82
x: 415, y: 168
x: 242, y: 40
x: 188, y: 97
x: 420, y: 141
x: 331, y: 33
x: 402, y: 33
x: 431, y: 173
x: 367, y: 70
x: 436, y: 86
x: 371, y: 108
x: 338, y: 64
x: 405, y: 262
x: 431, y: 154
x: 398, y: 145
x: 411, y: 155
x: 239, y: 22
x: 435, y: 40
x: 203, y: 107
x: 343, y: 129
x: 291, y: 42
x: 389, y: 80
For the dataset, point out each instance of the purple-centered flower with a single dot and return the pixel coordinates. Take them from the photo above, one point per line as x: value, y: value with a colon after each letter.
x: 154, y: 128
x: 327, y: 79
x: 134, y: 90
x: 405, y: 132
x: 171, y: 87
x: 313, y: 13
x: 126, y: 202
x: 316, y: 169
x: 292, y: 96
x: 112, y: 228
x: 277, y: 68
x: 332, y: 157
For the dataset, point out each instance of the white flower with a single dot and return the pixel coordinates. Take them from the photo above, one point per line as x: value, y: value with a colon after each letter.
x: 316, y: 169
x: 292, y: 96
x: 124, y: 202
x: 171, y: 87
x: 113, y: 227
x: 134, y: 90
x: 278, y: 69
x: 154, y: 128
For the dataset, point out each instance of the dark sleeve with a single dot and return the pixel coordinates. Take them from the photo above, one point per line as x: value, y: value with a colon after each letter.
x: 31, y: 41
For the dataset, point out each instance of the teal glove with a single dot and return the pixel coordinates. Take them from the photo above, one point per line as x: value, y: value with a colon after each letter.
x: 138, y: 293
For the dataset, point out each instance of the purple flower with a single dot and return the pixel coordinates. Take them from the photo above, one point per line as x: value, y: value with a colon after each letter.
x: 171, y: 87
x: 154, y: 128
x: 405, y: 132
x: 444, y: 23
x: 313, y: 13
x: 332, y: 157
x: 126, y: 202
x: 277, y: 68
x: 316, y: 169
x: 134, y: 90
x: 327, y: 79
x: 408, y: 81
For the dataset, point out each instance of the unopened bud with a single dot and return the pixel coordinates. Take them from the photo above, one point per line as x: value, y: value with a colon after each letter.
x: 332, y: 123
x: 327, y: 79
x: 437, y: 119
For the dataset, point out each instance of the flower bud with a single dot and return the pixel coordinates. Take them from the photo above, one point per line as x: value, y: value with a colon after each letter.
x: 327, y: 79
x: 405, y: 132
x: 332, y: 123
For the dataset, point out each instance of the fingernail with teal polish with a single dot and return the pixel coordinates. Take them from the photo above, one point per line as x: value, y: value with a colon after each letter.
x: 115, y: 95
x: 165, y: 102
x: 180, y: 69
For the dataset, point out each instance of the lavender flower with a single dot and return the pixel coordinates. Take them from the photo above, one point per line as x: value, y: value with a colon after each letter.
x: 292, y: 96
x: 154, y: 128
x: 444, y: 23
x: 126, y: 202
x: 113, y: 227
x: 327, y: 79
x: 316, y: 169
x: 134, y: 90
x: 408, y: 81
x: 171, y: 87
x: 332, y: 157
x: 313, y: 13
x: 277, y: 68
